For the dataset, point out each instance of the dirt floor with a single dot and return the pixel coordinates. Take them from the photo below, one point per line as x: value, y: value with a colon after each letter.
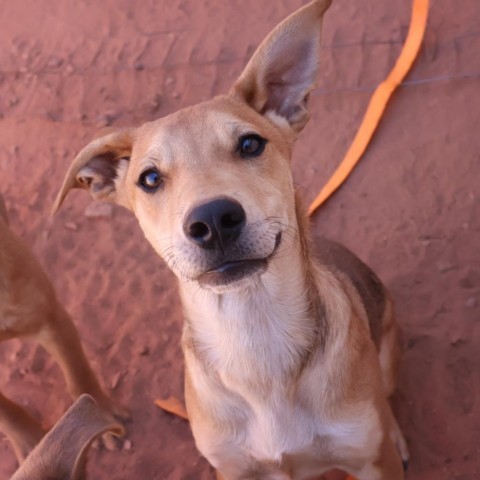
x: 411, y: 209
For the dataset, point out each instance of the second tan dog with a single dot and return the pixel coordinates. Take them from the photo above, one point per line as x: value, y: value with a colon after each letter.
x: 290, y: 347
x: 29, y: 309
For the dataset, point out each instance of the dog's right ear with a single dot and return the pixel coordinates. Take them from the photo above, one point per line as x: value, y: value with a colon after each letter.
x: 283, y: 70
x: 61, y: 455
x: 100, y: 168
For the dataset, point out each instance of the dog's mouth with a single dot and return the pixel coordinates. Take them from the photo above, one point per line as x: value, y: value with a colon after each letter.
x: 234, y: 270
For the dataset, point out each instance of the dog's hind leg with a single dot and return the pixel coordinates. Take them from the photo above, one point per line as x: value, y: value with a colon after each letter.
x: 388, y: 357
x: 399, y: 441
x: 389, y: 352
x: 23, y: 431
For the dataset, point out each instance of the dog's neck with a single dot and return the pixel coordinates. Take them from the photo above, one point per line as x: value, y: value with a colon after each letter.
x: 263, y: 332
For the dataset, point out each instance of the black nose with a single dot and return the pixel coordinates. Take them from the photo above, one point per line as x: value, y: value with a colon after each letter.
x: 216, y: 223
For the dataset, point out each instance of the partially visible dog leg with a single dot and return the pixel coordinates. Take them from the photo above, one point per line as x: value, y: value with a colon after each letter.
x: 389, y: 358
x: 23, y: 431
x: 389, y: 353
x: 399, y: 440
x: 60, y: 338
x: 62, y: 452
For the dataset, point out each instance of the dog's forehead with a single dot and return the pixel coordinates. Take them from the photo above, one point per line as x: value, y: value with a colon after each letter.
x: 200, y: 131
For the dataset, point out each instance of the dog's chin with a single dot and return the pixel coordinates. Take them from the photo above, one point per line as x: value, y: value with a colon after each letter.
x: 236, y: 274
x: 232, y: 275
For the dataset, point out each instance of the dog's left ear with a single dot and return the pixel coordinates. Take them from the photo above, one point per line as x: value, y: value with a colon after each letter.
x: 100, y: 168
x: 61, y: 455
x: 283, y: 70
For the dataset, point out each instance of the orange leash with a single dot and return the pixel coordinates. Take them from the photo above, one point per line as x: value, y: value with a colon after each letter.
x: 378, y: 103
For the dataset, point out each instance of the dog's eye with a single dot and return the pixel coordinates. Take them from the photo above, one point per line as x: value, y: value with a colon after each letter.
x: 150, y: 180
x: 251, y: 145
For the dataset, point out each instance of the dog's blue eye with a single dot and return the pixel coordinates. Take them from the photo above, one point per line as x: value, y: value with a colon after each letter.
x: 150, y: 180
x: 251, y: 145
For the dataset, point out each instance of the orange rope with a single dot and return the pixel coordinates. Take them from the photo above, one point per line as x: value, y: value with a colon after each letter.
x: 378, y: 103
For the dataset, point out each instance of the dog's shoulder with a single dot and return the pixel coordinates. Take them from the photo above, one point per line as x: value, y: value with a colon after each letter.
x: 342, y: 262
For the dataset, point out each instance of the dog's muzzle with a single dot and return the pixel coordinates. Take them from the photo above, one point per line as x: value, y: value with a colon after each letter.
x: 216, y: 227
x: 232, y: 271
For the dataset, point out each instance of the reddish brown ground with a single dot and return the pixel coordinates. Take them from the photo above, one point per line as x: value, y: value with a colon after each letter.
x: 411, y: 209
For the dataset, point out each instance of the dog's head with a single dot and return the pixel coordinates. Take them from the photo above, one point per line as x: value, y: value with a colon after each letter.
x: 211, y: 184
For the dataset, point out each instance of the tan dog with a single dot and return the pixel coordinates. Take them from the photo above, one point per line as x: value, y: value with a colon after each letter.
x: 62, y: 453
x: 29, y: 308
x: 290, y: 352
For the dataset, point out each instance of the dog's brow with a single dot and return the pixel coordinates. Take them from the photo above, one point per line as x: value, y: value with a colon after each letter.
x: 238, y: 129
x: 242, y: 129
x: 231, y: 125
x: 158, y: 154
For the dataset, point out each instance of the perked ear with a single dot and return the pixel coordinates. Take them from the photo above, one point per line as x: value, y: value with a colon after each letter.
x: 99, y: 167
x: 61, y: 455
x: 283, y: 70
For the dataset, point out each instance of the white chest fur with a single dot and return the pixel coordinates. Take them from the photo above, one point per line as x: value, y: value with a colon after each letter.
x: 254, y: 340
x: 254, y: 336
